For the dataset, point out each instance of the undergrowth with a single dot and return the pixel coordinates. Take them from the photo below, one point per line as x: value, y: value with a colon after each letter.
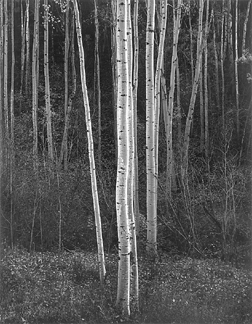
x: 65, y: 288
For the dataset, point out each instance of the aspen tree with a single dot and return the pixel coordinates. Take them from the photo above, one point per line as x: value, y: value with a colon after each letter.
x: 202, y: 133
x: 245, y: 27
x: 244, y: 55
x: 101, y: 257
x: 114, y: 68
x: 1, y: 124
x: 179, y: 106
x: 64, y: 148
x: 27, y: 51
x: 151, y: 194
x: 35, y: 78
x: 135, y: 90
x: 122, y: 208
x: 97, y: 74
x: 22, y: 18
x: 12, y: 153
x: 236, y: 71
x: 216, y: 65
x: 229, y: 32
x: 47, y: 83
x: 132, y: 172
x: 5, y: 74
x: 222, y: 66
x: 176, y: 29
x: 206, y: 137
x: 191, y: 41
x: 185, y: 149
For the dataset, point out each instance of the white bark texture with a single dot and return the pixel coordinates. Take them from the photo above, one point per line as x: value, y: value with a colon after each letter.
x: 169, y: 126
x: 151, y: 194
x: 35, y: 73
x: 47, y: 83
x: 101, y: 257
x: 122, y: 208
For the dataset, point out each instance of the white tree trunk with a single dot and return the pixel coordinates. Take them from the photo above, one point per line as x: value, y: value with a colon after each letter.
x: 122, y: 208
x: 151, y: 194
x: 47, y: 84
x: 176, y: 29
x: 101, y: 257
x: 200, y: 42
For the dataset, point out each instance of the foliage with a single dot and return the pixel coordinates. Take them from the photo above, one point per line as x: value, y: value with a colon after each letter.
x: 65, y: 288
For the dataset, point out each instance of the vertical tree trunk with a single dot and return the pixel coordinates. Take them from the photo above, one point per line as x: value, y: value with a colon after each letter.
x: 35, y: 78
x: 5, y: 74
x: 101, y: 257
x: 176, y: 29
x: 114, y: 69
x: 122, y: 208
x: 12, y: 153
x: 202, y: 133
x: 64, y: 154
x: 222, y: 67
x: 22, y: 51
x: 236, y: 71
x: 245, y: 27
x: 47, y: 83
x: 179, y: 107
x: 216, y: 67
x: 27, y: 56
x: 206, y: 137
x: 191, y: 43
x: 135, y: 90
x: 64, y: 148
x: 131, y: 178
x: 151, y: 195
x: 185, y: 149
x: 97, y: 73
x: 1, y: 124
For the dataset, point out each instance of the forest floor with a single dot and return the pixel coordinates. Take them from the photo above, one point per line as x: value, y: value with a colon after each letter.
x: 64, y: 288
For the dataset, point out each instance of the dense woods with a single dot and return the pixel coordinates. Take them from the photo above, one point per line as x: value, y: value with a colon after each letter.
x: 125, y: 129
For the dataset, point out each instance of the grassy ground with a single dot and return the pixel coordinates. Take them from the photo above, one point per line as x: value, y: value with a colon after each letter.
x: 53, y: 288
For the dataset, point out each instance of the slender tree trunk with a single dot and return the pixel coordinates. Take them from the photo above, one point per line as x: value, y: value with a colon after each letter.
x: 1, y: 123
x: 191, y: 43
x: 5, y: 82
x: 64, y: 151
x: 206, y: 137
x: 245, y: 27
x: 236, y: 72
x: 150, y: 133
x: 47, y: 83
x: 114, y: 69
x: 131, y: 178
x: 202, y: 133
x: 123, y: 225
x: 179, y: 107
x: 27, y: 56
x: 185, y: 149
x: 22, y: 51
x: 216, y: 67
x: 35, y: 78
x: 176, y: 29
x: 101, y: 257
x: 97, y: 73
x: 12, y: 153
x: 135, y: 90
x: 64, y: 148
x: 222, y: 67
